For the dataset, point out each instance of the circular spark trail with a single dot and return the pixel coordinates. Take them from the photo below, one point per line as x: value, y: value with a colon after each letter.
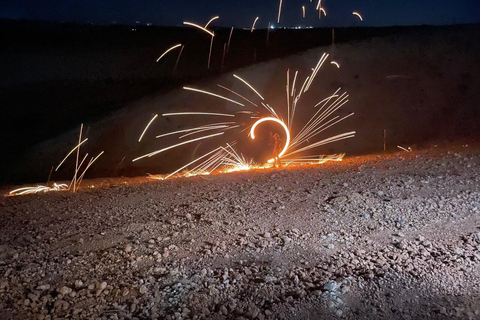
x: 287, y: 132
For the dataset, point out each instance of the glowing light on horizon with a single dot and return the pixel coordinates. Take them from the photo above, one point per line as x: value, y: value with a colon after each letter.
x: 358, y: 15
x: 146, y: 128
x: 214, y: 95
x: 168, y: 50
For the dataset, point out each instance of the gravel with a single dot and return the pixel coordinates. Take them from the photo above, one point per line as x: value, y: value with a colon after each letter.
x: 303, y: 243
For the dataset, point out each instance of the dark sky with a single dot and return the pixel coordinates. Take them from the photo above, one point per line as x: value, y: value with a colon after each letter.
x: 241, y: 13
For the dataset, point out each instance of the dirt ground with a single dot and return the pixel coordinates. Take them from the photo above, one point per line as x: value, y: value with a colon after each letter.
x: 376, y: 237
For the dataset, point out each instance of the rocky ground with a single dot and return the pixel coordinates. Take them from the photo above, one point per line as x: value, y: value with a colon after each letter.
x: 393, y: 236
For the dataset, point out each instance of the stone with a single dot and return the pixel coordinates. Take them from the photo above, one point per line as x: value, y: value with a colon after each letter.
x: 331, y: 286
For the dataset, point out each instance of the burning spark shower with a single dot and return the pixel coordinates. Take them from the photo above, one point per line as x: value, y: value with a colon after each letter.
x: 299, y: 138
x: 77, y: 177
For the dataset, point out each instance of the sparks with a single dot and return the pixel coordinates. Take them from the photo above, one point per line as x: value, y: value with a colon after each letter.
x: 279, y: 11
x: 199, y: 27
x: 168, y: 50
x: 177, y: 145
x: 197, y: 113
x: 146, y: 128
x: 210, y: 21
x: 73, y: 150
x: 336, y: 64
x: 250, y: 86
x: 254, y: 23
x: 214, y: 95
x: 358, y: 15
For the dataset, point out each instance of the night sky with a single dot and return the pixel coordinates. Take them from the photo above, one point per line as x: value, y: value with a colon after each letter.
x: 242, y: 13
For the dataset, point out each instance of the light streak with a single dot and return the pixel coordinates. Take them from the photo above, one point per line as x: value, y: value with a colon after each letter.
x: 199, y: 27
x: 202, y: 130
x: 279, y: 11
x: 88, y: 166
x: 190, y: 163
x: 254, y: 23
x: 237, y: 94
x: 193, y: 129
x: 168, y: 50
x: 210, y: 52
x: 178, y: 60
x: 287, y: 133
x: 405, y: 149
x: 78, y: 154
x: 294, y: 81
x: 146, y: 128
x: 335, y: 63
x: 197, y: 113
x: 38, y: 189
x: 229, y: 40
x: 249, y: 85
x: 303, y: 11
x: 78, y: 145
x: 322, y: 10
x: 176, y: 145
x: 358, y: 15
x: 211, y: 20
x: 213, y: 94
